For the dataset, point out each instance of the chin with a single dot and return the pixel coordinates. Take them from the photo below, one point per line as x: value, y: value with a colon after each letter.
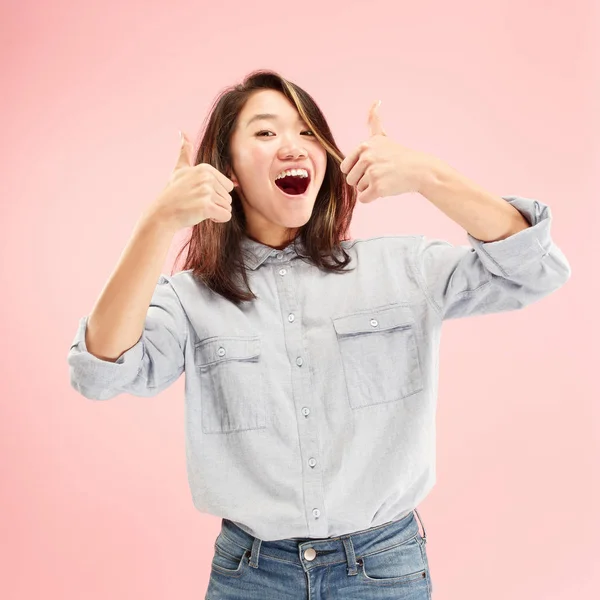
x: 296, y: 221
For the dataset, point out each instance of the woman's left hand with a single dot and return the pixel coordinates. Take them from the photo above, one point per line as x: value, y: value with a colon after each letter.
x: 380, y: 167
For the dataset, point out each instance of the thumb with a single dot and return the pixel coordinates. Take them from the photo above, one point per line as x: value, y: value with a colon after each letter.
x: 374, y: 121
x: 184, y: 158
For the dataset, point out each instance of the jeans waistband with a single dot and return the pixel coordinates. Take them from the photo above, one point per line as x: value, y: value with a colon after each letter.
x: 314, y: 552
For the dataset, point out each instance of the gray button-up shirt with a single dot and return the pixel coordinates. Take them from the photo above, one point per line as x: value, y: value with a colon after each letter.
x: 310, y: 412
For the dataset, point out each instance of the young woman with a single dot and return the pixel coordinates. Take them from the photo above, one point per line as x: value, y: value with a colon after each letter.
x: 311, y: 359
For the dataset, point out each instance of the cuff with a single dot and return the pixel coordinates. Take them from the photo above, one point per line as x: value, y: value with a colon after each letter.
x: 125, y: 367
x: 522, y: 249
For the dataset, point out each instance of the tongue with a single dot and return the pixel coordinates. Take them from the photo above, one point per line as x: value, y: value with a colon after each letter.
x: 292, y: 185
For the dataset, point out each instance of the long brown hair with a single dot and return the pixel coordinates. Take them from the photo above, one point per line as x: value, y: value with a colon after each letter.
x: 215, y: 254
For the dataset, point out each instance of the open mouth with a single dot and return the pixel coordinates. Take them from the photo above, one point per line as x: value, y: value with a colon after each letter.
x: 293, y: 185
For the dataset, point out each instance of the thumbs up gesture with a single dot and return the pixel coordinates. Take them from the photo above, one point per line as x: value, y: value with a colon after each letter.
x: 193, y: 193
x: 380, y: 167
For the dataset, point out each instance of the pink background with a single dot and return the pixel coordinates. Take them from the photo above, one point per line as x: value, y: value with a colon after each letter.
x: 94, y: 499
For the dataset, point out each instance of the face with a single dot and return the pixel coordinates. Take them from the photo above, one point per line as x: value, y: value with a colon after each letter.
x: 260, y: 150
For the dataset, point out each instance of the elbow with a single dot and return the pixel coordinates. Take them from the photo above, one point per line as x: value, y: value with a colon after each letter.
x: 90, y: 391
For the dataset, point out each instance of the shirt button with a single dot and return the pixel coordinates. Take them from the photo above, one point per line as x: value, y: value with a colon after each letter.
x: 221, y: 351
x: 291, y: 318
x: 306, y: 411
x: 282, y: 271
x: 312, y: 462
x: 374, y: 322
x: 280, y: 256
x: 299, y: 361
x: 316, y: 513
x: 310, y: 554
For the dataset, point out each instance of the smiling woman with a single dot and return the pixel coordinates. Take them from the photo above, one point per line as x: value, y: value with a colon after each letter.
x: 258, y: 130
x: 311, y: 389
x: 257, y: 160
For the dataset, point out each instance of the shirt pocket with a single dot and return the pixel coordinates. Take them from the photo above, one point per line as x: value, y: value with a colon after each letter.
x: 231, y: 384
x: 379, y: 355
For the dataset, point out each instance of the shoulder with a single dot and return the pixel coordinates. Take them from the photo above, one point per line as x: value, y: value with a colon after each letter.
x: 383, y: 243
x: 183, y: 285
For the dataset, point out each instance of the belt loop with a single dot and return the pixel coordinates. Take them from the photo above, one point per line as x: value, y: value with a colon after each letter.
x: 253, y: 562
x: 350, y: 556
x: 423, y: 526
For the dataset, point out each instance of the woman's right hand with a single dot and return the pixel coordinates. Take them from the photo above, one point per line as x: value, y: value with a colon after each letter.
x: 193, y: 193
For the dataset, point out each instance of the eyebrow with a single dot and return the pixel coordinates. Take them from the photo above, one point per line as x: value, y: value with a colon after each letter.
x: 267, y: 116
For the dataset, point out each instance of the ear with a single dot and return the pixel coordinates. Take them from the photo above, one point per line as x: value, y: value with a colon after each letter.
x: 233, y: 177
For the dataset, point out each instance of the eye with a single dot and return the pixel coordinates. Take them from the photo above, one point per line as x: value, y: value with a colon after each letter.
x: 260, y: 133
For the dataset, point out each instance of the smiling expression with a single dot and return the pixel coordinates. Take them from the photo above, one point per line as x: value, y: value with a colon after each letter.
x: 269, y: 138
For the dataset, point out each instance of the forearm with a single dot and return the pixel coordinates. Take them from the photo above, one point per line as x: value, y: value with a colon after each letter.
x: 484, y: 215
x: 116, y: 322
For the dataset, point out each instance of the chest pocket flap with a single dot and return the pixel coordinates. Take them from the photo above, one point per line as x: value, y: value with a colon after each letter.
x: 381, y: 319
x: 220, y: 349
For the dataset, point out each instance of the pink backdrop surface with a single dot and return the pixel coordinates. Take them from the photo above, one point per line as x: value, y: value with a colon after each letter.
x: 94, y: 499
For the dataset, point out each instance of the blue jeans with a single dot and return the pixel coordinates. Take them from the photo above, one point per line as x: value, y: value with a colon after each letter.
x: 381, y: 563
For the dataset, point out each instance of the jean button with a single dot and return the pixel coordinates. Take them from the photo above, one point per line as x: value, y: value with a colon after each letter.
x: 310, y: 554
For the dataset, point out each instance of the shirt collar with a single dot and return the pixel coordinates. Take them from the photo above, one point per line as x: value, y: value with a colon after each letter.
x: 255, y: 253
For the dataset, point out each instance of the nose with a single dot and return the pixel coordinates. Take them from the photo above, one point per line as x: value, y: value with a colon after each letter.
x: 292, y: 149
x: 294, y: 153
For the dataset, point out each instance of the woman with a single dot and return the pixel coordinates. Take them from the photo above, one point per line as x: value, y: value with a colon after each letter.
x: 310, y: 359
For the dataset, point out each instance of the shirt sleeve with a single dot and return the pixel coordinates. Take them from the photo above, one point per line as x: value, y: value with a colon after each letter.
x: 148, y: 367
x: 491, y: 277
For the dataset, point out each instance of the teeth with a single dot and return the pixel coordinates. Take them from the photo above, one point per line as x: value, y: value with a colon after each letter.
x: 293, y: 172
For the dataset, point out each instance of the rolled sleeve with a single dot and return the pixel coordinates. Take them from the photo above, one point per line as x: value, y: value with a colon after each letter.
x: 145, y: 369
x: 522, y: 249
x: 488, y: 277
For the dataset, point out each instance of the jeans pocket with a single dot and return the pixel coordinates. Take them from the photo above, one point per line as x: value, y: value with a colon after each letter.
x: 379, y: 355
x: 229, y: 559
x: 402, y: 564
x: 231, y: 384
